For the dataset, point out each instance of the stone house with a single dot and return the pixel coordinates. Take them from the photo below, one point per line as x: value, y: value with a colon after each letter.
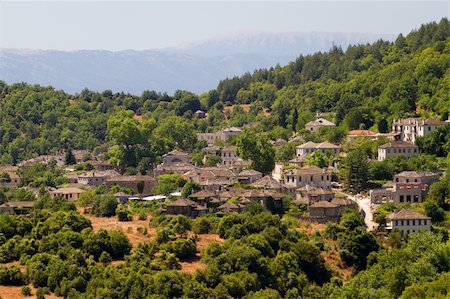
x: 325, y: 211
x: 315, y: 125
x: 17, y: 207
x: 211, y: 178
x: 186, y: 207
x: 175, y: 156
x: 68, y: 193
x: 310, y: 147
x: 311, y: 175
x: 229, y: 207
x: 407, y: 187
x: 96, y: 178
x: 411, y: 128
x: 229, y: 155
x: 141, y: 184
x: 397, y: 148
x: 249, y: 176
x: 179, y: 168
x: 408, y: 221
x: 299, y: 161
x: 313, y: 194
x: 268, y: 182
x: 222, y: 135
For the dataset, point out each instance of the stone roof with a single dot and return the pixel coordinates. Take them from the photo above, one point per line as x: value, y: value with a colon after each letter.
x: 229, y: 206
x: 309, y: 170
x: 105, y: 173
x: 323, y: 204
x: 182, y: 202
x: 398, y: 144
x: 67, y: 190
x: 315, y: 190
x: 320, y: 122
x: 414, y: 121
x: 176, y: 152
x: 342, y: 201
x: 18, y: 204
x: 249, y: 172
x: 267, y: 182
x: 324, y: 144
x: 202, y: 194
x: 362, y: 132
x: 416, y: 174
x: 299, y: 159
x: 132, y: 178
x: 407, y: 214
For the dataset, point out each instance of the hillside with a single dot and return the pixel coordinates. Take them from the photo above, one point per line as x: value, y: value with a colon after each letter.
x: 365, y: 86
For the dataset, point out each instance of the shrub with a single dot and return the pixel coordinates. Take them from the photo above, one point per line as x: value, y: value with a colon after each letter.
x: 202, y: 225
x: 123, y: 214
x: 25, y: 291
x: 105, y: 258
x: 142, y: 215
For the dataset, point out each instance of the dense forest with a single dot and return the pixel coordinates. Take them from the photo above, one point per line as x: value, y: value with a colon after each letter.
x: 255, y: 254
x: 366, y: 86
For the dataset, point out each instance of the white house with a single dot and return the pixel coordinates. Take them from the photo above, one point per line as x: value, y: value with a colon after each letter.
x: 411, y: 128
x: 408, y: 221
x: 397, y: 148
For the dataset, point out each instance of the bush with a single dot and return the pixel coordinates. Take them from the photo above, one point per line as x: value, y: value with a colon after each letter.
x: 182, y: 248
x: 123, y: 214
x: 11, y: 276
x: 104, y: 205
x: 25, y: 291
x: 142, y: 215
x: 202, y: 225
x: 105, y: 258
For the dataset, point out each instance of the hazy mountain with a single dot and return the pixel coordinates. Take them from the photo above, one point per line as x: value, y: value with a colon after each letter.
x: 196, y: 67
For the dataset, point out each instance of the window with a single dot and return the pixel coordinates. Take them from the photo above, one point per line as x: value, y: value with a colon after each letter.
x: 408, y: 198
x: 407, y: 180
x: 322, y: 178
x: 299, y: 179
x: 419, y: 222
x: 401, y: 198
x: 414, y: 222
x: 407, y: 222
x: 401, y: 222
x: 429, y: 129
x: 396, y: 180
x: 416, y: 198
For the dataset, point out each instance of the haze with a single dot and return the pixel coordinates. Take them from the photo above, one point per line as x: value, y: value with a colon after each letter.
x: 116, y: 25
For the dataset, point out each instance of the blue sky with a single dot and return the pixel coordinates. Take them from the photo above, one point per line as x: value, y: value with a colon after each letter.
x: 117, y: 25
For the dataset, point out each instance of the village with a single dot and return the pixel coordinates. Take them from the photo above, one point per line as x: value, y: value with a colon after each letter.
x: 231, y: 185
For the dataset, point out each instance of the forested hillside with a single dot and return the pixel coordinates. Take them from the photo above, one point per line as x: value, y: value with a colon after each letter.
x: 367, y: 86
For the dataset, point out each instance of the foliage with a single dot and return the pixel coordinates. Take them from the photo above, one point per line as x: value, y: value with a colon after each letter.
x: 168, y: 183
x: 257, y: 149
x: 104, y: 205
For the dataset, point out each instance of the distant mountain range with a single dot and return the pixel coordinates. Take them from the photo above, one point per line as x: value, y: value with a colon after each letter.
x: 197, y: 67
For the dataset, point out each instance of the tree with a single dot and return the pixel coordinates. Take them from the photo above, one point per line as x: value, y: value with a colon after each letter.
x: 104, y: 205
x: 294, y: 119
x: 258, y: 149
x: 189, y: 188
x: 168, y: 183
x: 318, y: 159
x: 70, y: 158
x: 355, y: 170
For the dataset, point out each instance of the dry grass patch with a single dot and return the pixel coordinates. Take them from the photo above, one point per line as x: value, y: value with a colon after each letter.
x: 12, y: 292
